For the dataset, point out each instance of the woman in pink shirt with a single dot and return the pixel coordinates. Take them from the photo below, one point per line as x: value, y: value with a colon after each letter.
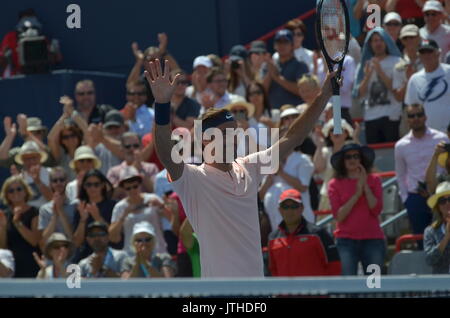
x: 356, y: 200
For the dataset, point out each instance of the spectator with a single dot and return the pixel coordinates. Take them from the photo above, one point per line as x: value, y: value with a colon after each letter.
x: 440, y: 157
x: 87, y: 104
x: 104, y: 260
x: 299, y: 31
x: 361, y: 13
x: 83, y: 161
x: 437, y: 235
x: 282, y: 76
x: 190, y: 242
x: 258, y: 56
x: 216, y: 61
x: 133, y: 155
x: 151, y: 53
x: 297, y: 247
x: 430, y: 86
x: 31, y: 157
x: 434, y: 29
x: 409, y: 64
x: 218, y: 96
x: 239, y: 70
x: 184, y: 109
x: 412, y: 155
x: 409, y: 10
x: 356, y: 199
x: 373, y: 85
x: 66, y: 136
x: 19, y: 225
x: 257, y: 96
x: 95, y: 204
x: 296, y: 170
x: 146, y: 263
x: 105, y: 140
x: 58, y: 214
x: 201, y: 67
x: 138, y: 114
x: 58, y: 251
x: 7, y: 265
x: 322, y: 157
x: 392, y: 23
x: 134, y: 208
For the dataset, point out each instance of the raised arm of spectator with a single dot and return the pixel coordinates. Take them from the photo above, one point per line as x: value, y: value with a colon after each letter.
x: 3, y: 229
x: 10, y: 135
x: 358, y: 9
x: 303, y: 125
x: 31, y: 235
x: 430, y: 175
x: 96, y: 136
x: 136, y: 70
x: 291, y: 87
x: 391, y: 5
x: 163, y: 87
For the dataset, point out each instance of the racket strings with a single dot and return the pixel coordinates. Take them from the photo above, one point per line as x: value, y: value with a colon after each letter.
x: 333, y: 29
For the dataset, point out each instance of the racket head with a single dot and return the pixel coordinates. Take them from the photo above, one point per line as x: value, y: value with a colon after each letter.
x: 333, y: 30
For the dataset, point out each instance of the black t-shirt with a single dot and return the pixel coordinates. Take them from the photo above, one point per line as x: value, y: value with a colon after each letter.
x: 22, y: 250
x: 188, y: 108
x: 98, y: 113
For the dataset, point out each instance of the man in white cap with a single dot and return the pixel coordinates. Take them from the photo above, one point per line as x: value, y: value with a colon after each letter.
x: 392, y: 23
x: 434, y: 28
x: 202, y: 65
x: 31, y: 157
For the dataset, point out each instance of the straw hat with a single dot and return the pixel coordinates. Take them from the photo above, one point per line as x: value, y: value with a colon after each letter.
x: 58, y: 238
x: 442, y: 189
x: 129, y: 173
x: 442, y: 159
x: 30, y: 147
x: 35, y: 124
x: 240, y: 101
x: 85, y: 152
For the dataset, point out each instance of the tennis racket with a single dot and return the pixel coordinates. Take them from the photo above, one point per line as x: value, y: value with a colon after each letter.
x: 333, y: 34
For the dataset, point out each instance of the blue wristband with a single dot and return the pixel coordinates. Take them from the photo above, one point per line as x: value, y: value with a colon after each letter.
x: 162, y: 114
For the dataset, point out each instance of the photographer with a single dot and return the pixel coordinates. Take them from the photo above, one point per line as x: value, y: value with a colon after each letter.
x: 239, y: 70
x: 412, y: 155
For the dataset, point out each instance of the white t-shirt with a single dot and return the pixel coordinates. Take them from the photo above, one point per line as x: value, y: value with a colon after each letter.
x: 72, y: 190
x: 302, y: 55
x: 441, y: 36
x: 380, y: 101
x: 433, y: 91
x: 400, y: 71
x: 222, y: 209
x: 297, y: 165
x: 149, y: 214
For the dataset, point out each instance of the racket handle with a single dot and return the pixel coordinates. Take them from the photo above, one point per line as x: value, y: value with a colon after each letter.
x: 336, y: 101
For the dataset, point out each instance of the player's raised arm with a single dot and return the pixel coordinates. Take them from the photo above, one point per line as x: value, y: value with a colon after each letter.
x: 163, y: 87
x: 303, y: 125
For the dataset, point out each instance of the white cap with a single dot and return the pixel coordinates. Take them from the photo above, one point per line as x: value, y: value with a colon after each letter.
x: 289, y: 112
x: 392, y: 16
x: 330, y: 124
x: 143, y: 227
x: 202, y: 60
x: 433, y: 5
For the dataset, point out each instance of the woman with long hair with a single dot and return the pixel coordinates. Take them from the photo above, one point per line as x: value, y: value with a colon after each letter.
x: 19, y: 225
x: 356, y: 199
x: 239, y: 70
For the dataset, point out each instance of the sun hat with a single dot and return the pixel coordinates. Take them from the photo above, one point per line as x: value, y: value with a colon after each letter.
x: 30, y: 147
x: 57, y: 238
x: 365, y: 151
x: 85, y: 152
x: 129, y: 173
x: 442, y: 159
x: 240, y: 101
x: 442, y: 189
x: 35, y: 124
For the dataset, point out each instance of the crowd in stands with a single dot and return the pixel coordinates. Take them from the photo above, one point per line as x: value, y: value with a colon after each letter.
x: 91, y: 190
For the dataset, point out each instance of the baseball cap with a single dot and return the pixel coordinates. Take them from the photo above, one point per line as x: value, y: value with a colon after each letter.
x: 409, y: 30
x: 392, y: 16
x: 428, y: 44
x: 433, y: 5
x: 290, y: 194
x: 202, y: 60
x: 284, y: 35
x: 144, y: 227
x: 258, y: 47
x: 289, y: 112
x: 114, y: 118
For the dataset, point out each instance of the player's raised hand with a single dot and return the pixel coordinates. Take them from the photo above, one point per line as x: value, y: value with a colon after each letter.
x: 160, y: 82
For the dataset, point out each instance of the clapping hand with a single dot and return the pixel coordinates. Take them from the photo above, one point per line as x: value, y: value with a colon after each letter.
x: 68, y: 106
x: 163, y: 43
x: 137, y: 52
x: 22, y: 121
x: 161, y: 84
x: 84, y: 214
x: 40, y: 260
x: 35, y: 173
x: 362, y: 180
x: 10, y: 127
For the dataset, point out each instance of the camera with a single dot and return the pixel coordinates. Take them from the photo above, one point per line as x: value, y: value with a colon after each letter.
x: 421, y: 186
x: 235, y: 64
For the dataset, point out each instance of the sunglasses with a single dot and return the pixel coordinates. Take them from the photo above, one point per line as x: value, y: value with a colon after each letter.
x: 136, y: 93
x: 131, y: 187
x: 98, y: 234
x: 135, y: 146
x: 255, y: 93
x: 409, y: 38
x: 444, y: 200
x: 85, y: 93
x: 85, y: 160
x: 431, y: 14
x: 92, y: 184
x: 59, y: 246
x: 144, y: 240
x: 65, y: 137
x: 13, y: 190
x: 418, y: 115
x: 393, y: 24
x: 56, y: 180
x: 292, y: 206
x: 354, y: 156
